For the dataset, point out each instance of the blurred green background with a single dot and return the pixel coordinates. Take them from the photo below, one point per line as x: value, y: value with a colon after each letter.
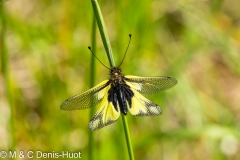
x: 197, y: 42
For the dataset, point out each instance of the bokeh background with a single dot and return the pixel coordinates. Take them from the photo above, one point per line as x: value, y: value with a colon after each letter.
x: 45, y: 60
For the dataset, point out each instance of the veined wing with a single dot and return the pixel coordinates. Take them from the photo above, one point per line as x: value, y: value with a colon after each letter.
x: 87, y: 99
x: 105, y: 115
x: 150, y: 85
x: 141, y: 106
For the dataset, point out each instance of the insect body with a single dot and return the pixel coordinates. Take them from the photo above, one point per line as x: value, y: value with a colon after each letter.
x: 120, y: 94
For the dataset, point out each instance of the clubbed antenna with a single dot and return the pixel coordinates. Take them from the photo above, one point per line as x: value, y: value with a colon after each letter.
x: 126, y: 50
x: 96, y: 57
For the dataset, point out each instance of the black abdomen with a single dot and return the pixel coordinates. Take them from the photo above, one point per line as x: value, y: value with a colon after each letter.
x: 120, y: 94
x: 122, y: 101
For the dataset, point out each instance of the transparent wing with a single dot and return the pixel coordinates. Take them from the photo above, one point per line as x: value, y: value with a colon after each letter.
x: 87, y: 99
x: 106, y: 115
x: 141, y: 106
x: 150, y: 85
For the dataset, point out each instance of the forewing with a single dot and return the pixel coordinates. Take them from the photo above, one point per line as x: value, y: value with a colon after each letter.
x: 150, y: 85
x: 141, y: 106
x: 87, y: 99
x: 106, y: 115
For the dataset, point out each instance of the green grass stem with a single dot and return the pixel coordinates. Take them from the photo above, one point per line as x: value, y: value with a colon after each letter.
x: 5, y: 71
x: 107, y: 46
x: 103, y: 32
x: 92, y: 79
x: 127, y: 135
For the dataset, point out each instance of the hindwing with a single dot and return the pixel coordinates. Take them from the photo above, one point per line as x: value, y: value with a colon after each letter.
x: 106, y: 114
x: 141, y: 106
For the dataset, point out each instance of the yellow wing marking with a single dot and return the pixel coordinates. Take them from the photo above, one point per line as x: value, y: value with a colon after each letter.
x: 86, y: 99
x: 136, y: 86
x: 105, y: 115
x: 141, y: 106
x: 150, y: 85
x: 103, y: 92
